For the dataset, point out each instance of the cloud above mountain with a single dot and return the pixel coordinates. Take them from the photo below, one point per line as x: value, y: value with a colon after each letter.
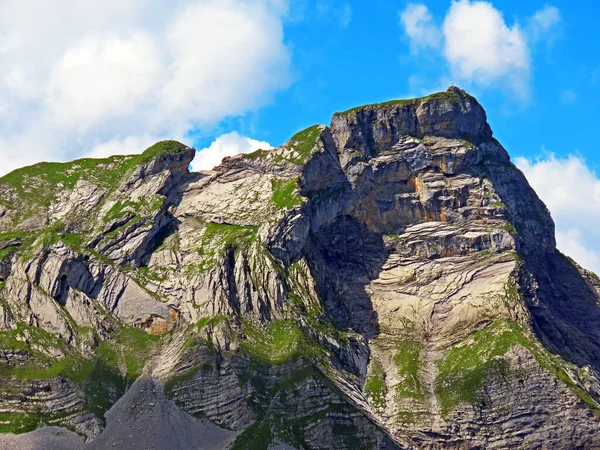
x: 571, y: 191
x: 229, y: 144
x: 96, y: 78
x: 477, y: 44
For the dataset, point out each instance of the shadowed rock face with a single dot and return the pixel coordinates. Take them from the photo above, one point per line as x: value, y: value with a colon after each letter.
x: 390, y: 281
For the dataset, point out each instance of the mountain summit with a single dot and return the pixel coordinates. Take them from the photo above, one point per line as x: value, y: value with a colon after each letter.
x: 390, y: 281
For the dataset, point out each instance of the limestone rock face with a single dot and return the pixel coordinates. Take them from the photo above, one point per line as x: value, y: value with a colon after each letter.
x: 390, y: 281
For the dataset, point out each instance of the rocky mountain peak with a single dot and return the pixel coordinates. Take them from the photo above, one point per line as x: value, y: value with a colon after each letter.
x: 390, y: 281
x: 451, y: 114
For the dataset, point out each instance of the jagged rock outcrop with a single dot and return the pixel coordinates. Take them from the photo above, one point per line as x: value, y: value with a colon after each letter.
x: 389, y: 281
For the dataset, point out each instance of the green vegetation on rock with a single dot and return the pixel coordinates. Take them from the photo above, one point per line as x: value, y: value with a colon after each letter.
x: 183, y: 377
x: 284, y: 193
x: 28, y: 189
x: 128, y: 349
x: 256, y: 437
x: 144, y: 206
x: 399, y: 102
x: 18, y: 423
x: 296, y: 151
x: 257, y: 154
x: 467, y: 366
x: 116, y: 363
x: 375, y: 387
x: 163, y: 148
x: 217, y: 239
x: 408, y: 364
x: 302, y: 144
x: 441, y: 97
x: 275, y: 343
x: 209, y: 321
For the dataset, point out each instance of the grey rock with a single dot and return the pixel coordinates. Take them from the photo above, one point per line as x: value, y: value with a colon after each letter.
x: 412, y: 257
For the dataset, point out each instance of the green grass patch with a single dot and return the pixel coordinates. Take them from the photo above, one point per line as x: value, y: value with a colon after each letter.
x: 217, y: 238
x: 467, y: 364
x: 593, y: 276
x: 163, y: 148
x: 408, y: 364
x: 256, y: 437
x: 509, y: 228
x: 398, y: 102
x: 258, y: 154
x: 284, y: 193
x: 34, y: 340
x: 145, y: 206
x: 276, y: 342
x: 19, y: 423
x: 117, y: 363
x: 181, y: 378
x: 8, y: 251
x: 441, y: 97
x: 302, y: 144
x: 375, y: 387
x: 128, y: 347
x: 209, y: 321
x: 32, y: 189
x: 104, y: 378
x: 133, y: 347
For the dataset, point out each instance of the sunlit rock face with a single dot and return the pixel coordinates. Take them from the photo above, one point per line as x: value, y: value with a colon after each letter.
x: 390, y: 281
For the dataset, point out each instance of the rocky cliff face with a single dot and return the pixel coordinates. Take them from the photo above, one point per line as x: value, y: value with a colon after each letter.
x: 390, y: 281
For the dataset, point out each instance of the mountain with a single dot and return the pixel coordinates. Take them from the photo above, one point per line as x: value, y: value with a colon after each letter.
x: 390, y: 281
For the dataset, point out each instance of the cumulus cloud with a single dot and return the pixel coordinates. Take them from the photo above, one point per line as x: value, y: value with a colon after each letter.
x: 97, y: 77
x: 478, y: 44
x: 571, y: 190
x: 122, y: 146
x: 226, y: 145
x: 418, y: 25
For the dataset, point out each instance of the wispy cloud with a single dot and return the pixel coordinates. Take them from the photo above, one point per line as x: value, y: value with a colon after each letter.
x: 418, y: 25
x: 543, y: 23
x: 346, y: 15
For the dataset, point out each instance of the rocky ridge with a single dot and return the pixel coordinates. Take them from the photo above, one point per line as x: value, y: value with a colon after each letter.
x: 389, y: 281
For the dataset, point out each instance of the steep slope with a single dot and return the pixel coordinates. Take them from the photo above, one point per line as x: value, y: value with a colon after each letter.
x: 390, y: 281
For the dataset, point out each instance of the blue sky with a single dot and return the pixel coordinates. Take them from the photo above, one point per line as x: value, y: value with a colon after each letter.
x: 99, y: 77
x: 337, y: 66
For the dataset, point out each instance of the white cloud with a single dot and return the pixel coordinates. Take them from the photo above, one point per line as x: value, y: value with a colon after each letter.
x: 478, y: 45
x: 94, y: 77
x: 544, y: 21
x: 571, y: 190
x: 122, y: 146
x: 418, y: 25
x: 226, y: 145
x: 574, y: 244
x: 481, y: 47
x: 103, y: 77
